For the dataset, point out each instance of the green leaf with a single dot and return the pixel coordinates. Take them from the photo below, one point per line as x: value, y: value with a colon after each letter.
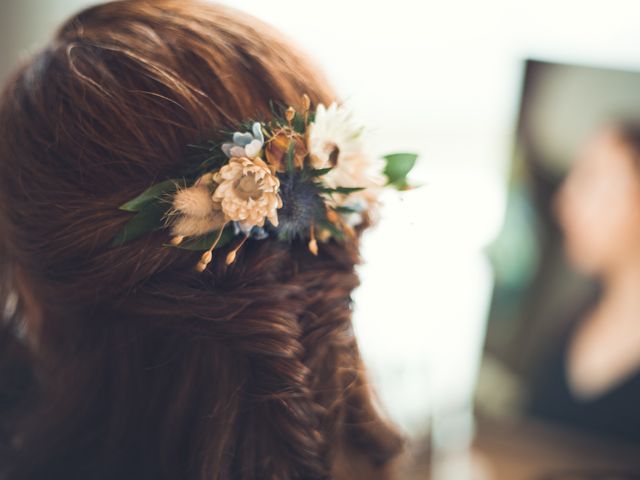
x: 204, y: 242
x: 206, y: 159
x: 298, y: 123
x: 333, y: 230
x: 318, y: 172
x: 344, y: 190
x: 150, y: 194
x: 148, y: 219
x: 291, y: 151
x: 276, y: 110
x: 311, y: 117
x: 344, y: 209
x: 398, y: 167
x: 208, y: 148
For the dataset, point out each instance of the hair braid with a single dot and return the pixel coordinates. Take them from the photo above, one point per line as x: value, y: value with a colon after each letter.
x: 143, y: 367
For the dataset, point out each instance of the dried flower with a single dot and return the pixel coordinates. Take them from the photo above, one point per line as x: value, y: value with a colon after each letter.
x: 316, y: 182
x: 306, y: 103
x: 248, y: 144
x: 193, y: 201
x: 231, y: 256
x: 336, y: 141
x: 290, y: 114
x: 277, y: 147
x: 195, y: 212
x: 248, y: 191
x: 313, y: 243
x: 205, y: 259
x: 302, y: 205
x: 177, y: 240
x: 186, y: 226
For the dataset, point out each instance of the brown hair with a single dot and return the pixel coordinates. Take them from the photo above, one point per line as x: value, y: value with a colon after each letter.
x: 142, y: 367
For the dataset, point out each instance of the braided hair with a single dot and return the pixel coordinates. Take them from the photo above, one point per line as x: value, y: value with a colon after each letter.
x: 125, y: 362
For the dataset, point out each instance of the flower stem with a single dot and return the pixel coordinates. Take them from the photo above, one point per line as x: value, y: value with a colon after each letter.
x: 206, y: 257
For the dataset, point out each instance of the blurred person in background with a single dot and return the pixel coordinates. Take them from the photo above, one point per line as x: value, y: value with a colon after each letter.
x: 126, y: 363
x: 592, y: 382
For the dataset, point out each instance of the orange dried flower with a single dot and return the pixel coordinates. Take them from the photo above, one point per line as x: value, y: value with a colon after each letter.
x: 275, y: 149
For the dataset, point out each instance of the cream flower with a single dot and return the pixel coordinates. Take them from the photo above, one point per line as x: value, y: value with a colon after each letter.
x: 248, y: 192
x: 194, y: 210
x: 194, y: 201
x: 187, y: 226
x: 335, y: 140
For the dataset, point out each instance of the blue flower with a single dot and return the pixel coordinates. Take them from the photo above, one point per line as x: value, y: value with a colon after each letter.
x: 247, y: 144
x: 253, y: 231
x: 302, y: 206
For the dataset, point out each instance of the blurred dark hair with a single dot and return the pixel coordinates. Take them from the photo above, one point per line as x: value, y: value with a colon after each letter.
x: 136, y: 366
x: 629, y: 131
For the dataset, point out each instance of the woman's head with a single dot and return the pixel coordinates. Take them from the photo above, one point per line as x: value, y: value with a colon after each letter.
x: 599, y: 204
x: 143, y: 367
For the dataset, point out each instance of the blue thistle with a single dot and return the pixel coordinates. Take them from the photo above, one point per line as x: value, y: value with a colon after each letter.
x: 302, y: 205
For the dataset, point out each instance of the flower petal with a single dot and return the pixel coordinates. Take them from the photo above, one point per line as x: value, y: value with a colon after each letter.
x: 237, y: 151
x: 253, y: 148
x: 226, y: 148
x: 242, y: 139
x: 257, y: 132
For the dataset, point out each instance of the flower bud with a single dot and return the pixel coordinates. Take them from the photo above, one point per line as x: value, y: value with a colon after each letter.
x: 275, y: 150
x: 289, y: 114
x: 206, y: 257
x: 231, y: 257
x: 306, y: 103
x: 200, y: 267
x: 313, y: 246
x: 177, y: 240
x: 332, y: 215
x: 194, y: 202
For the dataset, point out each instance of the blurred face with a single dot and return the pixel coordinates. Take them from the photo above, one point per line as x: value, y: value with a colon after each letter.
x: 598, y: 206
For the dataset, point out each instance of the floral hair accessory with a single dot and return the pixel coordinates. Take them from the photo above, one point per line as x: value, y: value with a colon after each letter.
x: 301, y: 175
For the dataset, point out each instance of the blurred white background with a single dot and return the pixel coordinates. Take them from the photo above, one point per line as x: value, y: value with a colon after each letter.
x: 442, y: 79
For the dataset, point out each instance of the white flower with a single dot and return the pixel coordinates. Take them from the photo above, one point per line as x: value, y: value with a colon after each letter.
x: 335, y: 140
x: 248, y: 192
x: 245, y: 144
